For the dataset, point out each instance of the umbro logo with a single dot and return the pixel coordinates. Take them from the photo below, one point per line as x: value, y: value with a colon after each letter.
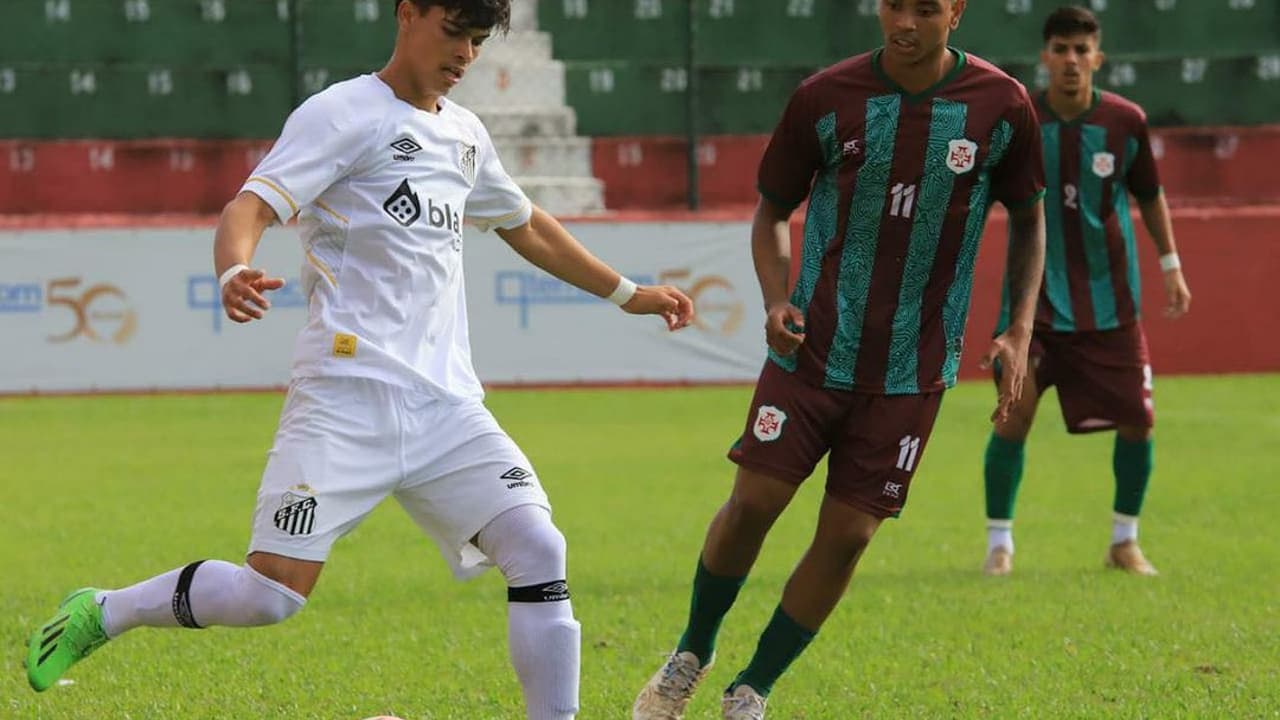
x: 518, y: 477
x: 405, y: 148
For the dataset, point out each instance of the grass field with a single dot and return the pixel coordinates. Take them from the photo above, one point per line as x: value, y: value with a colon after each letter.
x: 106, y: 491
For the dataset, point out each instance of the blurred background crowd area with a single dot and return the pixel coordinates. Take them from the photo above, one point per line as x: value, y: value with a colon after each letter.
x: 163, y: 106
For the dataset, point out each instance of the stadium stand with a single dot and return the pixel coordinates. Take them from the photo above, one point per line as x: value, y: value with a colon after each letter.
x: 196, y: 88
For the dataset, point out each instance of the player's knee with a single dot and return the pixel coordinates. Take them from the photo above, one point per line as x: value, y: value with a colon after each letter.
x: 526, y: 546
x: 264, y: 601
x: 752, y: 509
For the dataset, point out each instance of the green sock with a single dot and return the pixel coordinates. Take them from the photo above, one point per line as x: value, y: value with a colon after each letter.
x: 1003, y: 471
x: 781, y: 643
x: 713, y: 595
x: 1132, y: 464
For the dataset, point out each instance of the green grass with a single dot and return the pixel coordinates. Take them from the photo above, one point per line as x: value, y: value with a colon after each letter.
x: 107, y: 491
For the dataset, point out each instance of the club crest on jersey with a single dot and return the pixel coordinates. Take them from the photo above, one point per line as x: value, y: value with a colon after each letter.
x: 768, y: 424
x: 467, y: 162
x: 297, y: 513
x: 961, y: 155
x: 403, y: 205
x: 1104, y: 164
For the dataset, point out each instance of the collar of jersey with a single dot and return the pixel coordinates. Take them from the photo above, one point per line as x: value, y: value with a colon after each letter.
x: 1044, y: 102
x: 442, y: 103
x: 961, y: 59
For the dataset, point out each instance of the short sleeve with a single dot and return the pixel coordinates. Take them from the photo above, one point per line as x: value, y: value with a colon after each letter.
x: 320, y: 144
x: 1143, y: 178
x: 496, y: 201
x: 1018, y: 180
x: 793, y: 154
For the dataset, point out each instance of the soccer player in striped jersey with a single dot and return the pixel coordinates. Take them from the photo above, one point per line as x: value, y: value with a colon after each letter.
x: 1088, y: 340
x: 900, y: 153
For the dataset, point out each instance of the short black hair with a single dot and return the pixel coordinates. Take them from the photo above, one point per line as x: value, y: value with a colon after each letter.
x: 474, y: 14
x: 1071, y: 20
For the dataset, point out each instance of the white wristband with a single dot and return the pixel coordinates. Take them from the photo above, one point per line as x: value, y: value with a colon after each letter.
x: 623, y: 293
x: 230, y: 273
x: 1170, y: 262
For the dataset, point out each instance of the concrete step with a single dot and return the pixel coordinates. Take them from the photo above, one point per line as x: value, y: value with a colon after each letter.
x: 518, y: 121
x: 564, y: 196
x: 511, y: 82
x: 557, y: 156
x: 524, y: 15
x: 516, y: 47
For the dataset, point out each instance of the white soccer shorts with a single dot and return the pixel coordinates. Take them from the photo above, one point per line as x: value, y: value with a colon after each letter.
x: 346, y: 443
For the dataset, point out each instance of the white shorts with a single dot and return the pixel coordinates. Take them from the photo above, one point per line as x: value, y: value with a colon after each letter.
x: 345, y: 443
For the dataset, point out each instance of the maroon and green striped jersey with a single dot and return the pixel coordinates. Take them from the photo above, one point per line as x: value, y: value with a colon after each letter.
x: 899, y: 186
x: 1092, y: 163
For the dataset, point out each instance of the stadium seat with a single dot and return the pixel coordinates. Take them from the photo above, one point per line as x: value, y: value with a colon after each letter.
x: 346, y: 33
x: 620, y: 98
x: 68, y: 101
x: 656, y: 30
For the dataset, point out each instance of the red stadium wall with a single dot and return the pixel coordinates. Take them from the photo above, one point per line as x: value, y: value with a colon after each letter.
x: 1198, y: 166
x: 1231, y: 260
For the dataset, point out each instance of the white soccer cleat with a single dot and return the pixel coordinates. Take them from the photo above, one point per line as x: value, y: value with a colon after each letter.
x: 667, y: 693
x: 744, y: 703
x: 999, y: 561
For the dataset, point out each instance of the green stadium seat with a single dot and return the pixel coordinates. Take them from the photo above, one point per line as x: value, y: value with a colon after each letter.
x: 650, y: 31
x: 210, y: 32
x: 744, y: 99
x: 71, y: 101
x: 738, y: 32
x: 619, y: 98
x: 346, y: 33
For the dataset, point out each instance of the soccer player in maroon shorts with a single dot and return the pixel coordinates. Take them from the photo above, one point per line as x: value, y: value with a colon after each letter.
x: 1088, y: 340
x: 900, y: 153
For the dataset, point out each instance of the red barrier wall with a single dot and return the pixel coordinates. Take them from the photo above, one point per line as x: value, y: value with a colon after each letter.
x: 1198, y: 166
x: 1231, y: 259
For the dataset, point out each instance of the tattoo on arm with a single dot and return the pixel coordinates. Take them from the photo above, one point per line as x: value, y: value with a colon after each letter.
x: 1025, y: 263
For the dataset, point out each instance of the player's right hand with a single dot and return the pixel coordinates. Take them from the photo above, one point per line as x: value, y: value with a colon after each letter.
x: 784, y: 327
x: 1010, y: 349
x: 242, y: 296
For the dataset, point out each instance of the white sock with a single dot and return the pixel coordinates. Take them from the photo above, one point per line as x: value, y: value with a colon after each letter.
x: 999, y: 534
x: 1123, y: 528
x: 545, y: 643
x: 217, y: 593
x: 544, y: 639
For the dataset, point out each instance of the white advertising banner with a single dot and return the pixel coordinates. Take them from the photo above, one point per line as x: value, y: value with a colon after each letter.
x: 138, y: 309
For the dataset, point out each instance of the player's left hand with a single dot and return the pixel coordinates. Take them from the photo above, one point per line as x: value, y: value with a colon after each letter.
x: 1010, y: 348
x: 1177, y: 294
x: 673, y: 305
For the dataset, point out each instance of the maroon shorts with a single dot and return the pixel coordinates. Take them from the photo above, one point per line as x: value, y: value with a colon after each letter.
x: 1103, y: 377
x: 876, y: 441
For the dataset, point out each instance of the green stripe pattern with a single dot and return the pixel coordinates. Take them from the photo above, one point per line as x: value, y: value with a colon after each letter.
x: 1093, y: 142
x: 956, y: 311
x: 1056, y: 285
x: 946, y: 123
x: 819, y: 225
x: 861, y: 238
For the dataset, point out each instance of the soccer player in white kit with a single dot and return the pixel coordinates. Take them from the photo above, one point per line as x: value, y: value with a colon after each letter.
x: 381, y: 170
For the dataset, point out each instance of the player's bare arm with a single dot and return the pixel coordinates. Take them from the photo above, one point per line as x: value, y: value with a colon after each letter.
x: 771, y: 253
x: 1155, y: 215
x: 1025, y: 270
x: 544, y: 242
x: 240, y: 228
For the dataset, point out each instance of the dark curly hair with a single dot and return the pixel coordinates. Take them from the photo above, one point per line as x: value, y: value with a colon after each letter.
x: 1071, y: 20
x: 471, y: 13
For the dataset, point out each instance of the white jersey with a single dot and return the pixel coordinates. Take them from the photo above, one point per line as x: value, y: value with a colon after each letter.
x: 381, y: 189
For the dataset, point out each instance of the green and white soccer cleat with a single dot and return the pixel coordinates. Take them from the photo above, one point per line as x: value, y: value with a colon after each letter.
x: 69, y: 637
x: 668, y: 692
